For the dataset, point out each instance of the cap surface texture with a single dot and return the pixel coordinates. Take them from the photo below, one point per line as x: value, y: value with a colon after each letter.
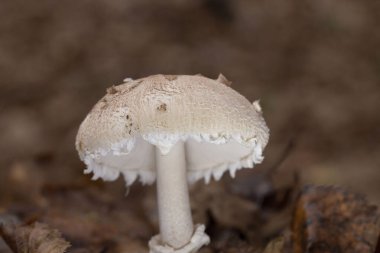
x: 221, y: 129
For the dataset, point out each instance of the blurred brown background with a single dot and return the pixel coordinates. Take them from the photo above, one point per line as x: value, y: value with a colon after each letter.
x: 315, y: 65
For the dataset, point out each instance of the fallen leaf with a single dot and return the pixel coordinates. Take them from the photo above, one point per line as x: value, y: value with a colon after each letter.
x: 35, y: 238
x: 275, y: 246
x: 331, y: 219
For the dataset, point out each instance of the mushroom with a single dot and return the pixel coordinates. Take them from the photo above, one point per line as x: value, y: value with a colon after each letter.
x: 176, y: 129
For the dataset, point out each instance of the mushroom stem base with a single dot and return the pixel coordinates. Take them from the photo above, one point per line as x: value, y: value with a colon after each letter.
x: 199, y: 239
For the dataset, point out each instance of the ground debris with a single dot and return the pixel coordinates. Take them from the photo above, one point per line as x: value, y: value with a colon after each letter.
x: 324, y: 219
x: 331, y: 219
x: 276, y: 245
x: 34, y: 238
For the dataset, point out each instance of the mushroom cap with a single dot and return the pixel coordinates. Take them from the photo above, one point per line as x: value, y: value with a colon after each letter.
x: 221, y: 129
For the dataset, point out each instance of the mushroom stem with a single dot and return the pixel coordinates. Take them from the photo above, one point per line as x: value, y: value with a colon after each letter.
x: 176, y: 224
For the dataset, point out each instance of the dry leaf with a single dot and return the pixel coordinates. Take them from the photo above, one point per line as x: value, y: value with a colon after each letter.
x: 275, y: 246
x: 330, y: 219
x: 35, y: 238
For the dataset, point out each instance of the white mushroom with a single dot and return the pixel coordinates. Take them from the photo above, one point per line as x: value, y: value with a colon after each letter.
x: 175, y: 129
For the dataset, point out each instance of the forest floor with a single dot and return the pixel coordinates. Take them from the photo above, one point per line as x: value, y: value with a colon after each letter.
x: 314, y: 65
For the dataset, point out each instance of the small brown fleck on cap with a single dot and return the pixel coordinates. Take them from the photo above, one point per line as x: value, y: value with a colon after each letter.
x: 222, y: 79
x: 112, y: 90
x: 170, y: 77
x: 162, y: 107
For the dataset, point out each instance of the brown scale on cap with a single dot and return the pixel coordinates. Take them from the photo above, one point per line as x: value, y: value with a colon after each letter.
x: 222, y: 79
